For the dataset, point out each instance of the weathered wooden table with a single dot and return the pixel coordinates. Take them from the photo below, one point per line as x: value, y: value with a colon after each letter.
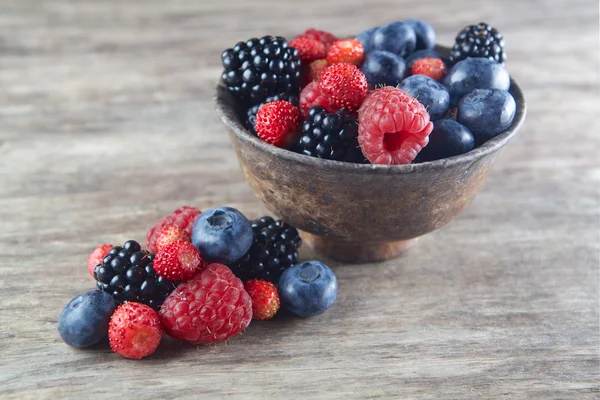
x: 107, y: 123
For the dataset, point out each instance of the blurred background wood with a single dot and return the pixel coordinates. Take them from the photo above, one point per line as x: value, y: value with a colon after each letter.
x: 107, y: 123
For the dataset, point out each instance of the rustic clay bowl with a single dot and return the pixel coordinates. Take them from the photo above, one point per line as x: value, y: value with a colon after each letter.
x: 361, y: 213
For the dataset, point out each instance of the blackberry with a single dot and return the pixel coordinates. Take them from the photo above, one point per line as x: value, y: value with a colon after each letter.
x: 480, y: 40
x: 127, y: 273
x: 274, y: 249
x: 250, y: 120
x: 333, y: 136
x: 259, y: 68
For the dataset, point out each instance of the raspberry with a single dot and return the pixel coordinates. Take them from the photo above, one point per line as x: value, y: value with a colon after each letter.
x: 322, y: 36
x: 183, y: 218
x: 344, y: 85
x: 134, y: 330
x: 309, y: 49
x: 392, y: 126
x: 96, y: 257
x: 315, y: 69
x: 277, y: 123
x: 178, y: 261
x: 169, y: 234
x: 349, y: 50
x: 431, y: 67
x: 311, y: 96
x: 265, y: 299
x: 210, y: 308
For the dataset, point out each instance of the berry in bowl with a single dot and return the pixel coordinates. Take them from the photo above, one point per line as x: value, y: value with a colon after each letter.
x: 367, y: 143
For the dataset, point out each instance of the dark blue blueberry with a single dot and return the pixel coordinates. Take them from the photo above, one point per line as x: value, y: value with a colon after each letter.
x: 432, y: 94
x: 383, y: 68
x: 308, y: 289
x: 486, y: 112
x: 84, y: 320
x: 365, y: 38
x: 222, y: 235
x: 417, y: 55
x: 475, y: 73
x: 424, y: 32
x: 448, y: 138
x: 398, y: 38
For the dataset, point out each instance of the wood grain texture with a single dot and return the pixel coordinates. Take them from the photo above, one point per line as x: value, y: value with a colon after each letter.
x: 107, y: 123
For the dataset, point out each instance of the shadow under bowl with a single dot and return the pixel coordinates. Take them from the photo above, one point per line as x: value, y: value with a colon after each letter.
x: 361, y: 213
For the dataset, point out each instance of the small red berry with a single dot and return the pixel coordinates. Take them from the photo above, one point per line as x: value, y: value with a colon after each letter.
x: 315, y: 69
x: 96, y: 257
x: 209, y: 308
x: 322, y: 36
x: 183, y: 218
x: 348, y: 50
x: 277, y: 123
x: 345, y: 86
x: 169, y: 234
x: 431, y: 67
x: 134, y: 330
x: 308, y: 49
x: 265, y: 298
x: 311, y: 96
x: 177, y: 261
x: 393, y: 126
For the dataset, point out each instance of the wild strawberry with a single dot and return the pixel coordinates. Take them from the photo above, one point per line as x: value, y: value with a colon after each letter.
x: 348, y: 50
x: 96, y: 257
x: 277, y: 123
x: 265, y: 298
x: 177, y: 261
x: 431, y: 67
x: 311, y: 96
x: 393, y: 126
x: 322, y: 36
x: 315, y: 69
x: 344, y: 85
x: 308, y: 49
x: 134, y: 330
x: 170, y: 234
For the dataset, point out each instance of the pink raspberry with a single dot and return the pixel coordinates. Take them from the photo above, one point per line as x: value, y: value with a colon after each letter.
x: 393, y: 126
x: 311, y: 96
x: 183, y: 218
x: 96, y: 257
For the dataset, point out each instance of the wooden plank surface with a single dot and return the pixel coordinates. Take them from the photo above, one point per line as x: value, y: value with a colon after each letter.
x: 106, y: 124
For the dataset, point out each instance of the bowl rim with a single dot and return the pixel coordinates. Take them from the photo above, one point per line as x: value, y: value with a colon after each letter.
x: 223, y: 98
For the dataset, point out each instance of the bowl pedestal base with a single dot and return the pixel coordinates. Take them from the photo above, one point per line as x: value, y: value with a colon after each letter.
x: 356, y: 252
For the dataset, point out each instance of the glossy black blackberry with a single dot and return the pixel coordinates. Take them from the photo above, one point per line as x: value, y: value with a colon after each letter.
x: 480, y: 40
x: 127, y: 273
x: 275, y: 248
x: 250, y: 120
x: 333, y: 136
x: 259, y: 68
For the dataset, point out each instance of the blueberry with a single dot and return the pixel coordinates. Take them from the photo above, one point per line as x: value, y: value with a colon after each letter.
x: 84, y: 320
x: 487, y: 112
x: 383, y: 68
x: 417, y: 55
x: 432, y: 94
x: 308, y: 289
x: 398, y: 38
x: 365, y: 38
x: 475, y: 73
x: 448, y: 138
x: 222, y: 235
x: 424, y: 32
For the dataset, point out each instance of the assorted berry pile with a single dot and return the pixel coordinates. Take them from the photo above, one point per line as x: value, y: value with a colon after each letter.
x: 204, y: 277
x: 374, y: 98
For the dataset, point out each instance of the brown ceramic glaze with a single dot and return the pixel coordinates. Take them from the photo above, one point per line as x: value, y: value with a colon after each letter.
x: 360, y: 213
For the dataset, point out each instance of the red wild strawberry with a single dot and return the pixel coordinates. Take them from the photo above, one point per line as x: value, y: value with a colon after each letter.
x: 322, y: 36
x: 348, y: 50
x: 393, y: 126
x: 431, y: 67
x: 169, y: 234
x: 311, y: 96
x: 308, y: 49
x: 277, y: 123
x: 134, y: 330
x: 177, y: 261
x: 315, y: 69
x: 344, y: 85
x: 265, y: 298
x: 183, y: 218
x: 210, y: 308
x: 96, y: 257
